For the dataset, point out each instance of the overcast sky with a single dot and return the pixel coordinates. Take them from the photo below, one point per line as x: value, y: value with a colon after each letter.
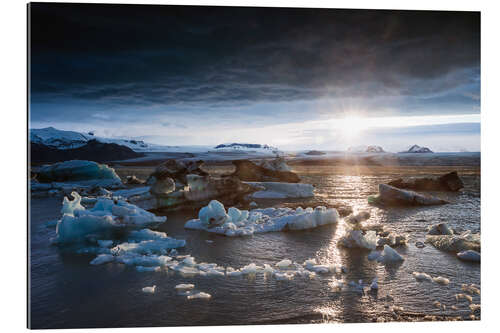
x: 293, y: 78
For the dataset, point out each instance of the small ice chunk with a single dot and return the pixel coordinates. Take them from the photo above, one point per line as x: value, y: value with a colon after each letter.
x: 475, y: 307
x: 149, y: 290
x: 374, y: 284
x: 459, y: 297
x: 469, y: 255
x: 441, y: 280
x: 389, y: 255
x: 189, y: 261
x: 422, y: 276
x: 373, y: 255
x: 283, y: 276
x: 102, y: 259
x: 285, y: 263
x: 184, y: 286
x: 213, y: 214
x: 201, y: 295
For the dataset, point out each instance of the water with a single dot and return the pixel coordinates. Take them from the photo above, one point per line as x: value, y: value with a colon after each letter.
x: 67, y: 292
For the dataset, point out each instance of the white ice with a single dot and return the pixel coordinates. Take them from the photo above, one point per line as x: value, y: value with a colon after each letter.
x: 422, y: 276
x: 184, y: 286
x: 149, y: 290
x: 201, y: 295
x: 389, y: 255
x: 441, y: 280
x: 78, y: 222
x: 243, y: 223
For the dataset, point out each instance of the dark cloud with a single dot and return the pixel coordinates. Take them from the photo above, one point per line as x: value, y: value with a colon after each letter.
x: 171, y: 55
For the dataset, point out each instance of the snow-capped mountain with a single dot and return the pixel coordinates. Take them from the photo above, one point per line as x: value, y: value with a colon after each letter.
x: 59, y: 139
x: 366, y: 149
x: 418, y: 149
x: 247, y: 147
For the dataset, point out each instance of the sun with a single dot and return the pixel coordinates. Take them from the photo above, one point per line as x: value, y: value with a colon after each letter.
x: 351, y: 127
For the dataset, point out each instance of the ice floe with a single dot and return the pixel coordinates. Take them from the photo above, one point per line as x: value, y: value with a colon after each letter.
x: 78, y: 222
x: 149, y: 290
x: 389, y: 255
x: 80, y: 171
x: 201, y: 295
x: 184, y: 286
x: 441, y: 280
x: 213, y: 218
x: 422, y: 276
x: 469, y: 255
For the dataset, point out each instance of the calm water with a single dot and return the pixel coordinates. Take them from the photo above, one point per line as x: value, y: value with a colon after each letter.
x: 68, y: 292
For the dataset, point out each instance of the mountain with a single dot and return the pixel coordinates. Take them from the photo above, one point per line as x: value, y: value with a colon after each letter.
x: 59, y: 139
x: 366, y: 149
x: 92, y: 150
x: 247, y: 147
x: 418, y: 149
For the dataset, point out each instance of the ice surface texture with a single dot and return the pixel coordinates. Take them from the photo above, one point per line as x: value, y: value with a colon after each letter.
x: 78, y: 222
x: 213, y: 218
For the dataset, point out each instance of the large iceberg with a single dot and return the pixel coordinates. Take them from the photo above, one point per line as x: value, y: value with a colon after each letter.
x: 78, y: 222
x: 392, y: 196
x: 213, y: 218
x: 78, y: 170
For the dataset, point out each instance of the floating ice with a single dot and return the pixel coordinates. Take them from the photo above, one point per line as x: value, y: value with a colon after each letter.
x: 149, y: 290
x: 475, y: 307
x: 441, y: 280
x: 285, y: 263
x: 455, y: 243
x: 102, y: 259
x: 469, y: 255
x: 355, y: 238
x: 283, y: 276
x: 422, y: 276
x: 201, y: 295
x: 374, y: 284
x: 459, y: 297
x: 471, y: 289
x: 183, y: 287
x: 389, y: 255
x: 78, y: 222
x: 213, y: 214
x: 78, y: 170
x: 213, y: 218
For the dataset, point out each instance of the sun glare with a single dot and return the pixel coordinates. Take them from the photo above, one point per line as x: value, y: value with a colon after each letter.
x: 351, y: 127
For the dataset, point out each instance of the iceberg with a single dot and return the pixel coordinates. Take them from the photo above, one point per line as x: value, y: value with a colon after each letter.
x: 393, y: 196
x: 77, y: 170
x: 276, y: 190
x: 389, y: 255
x: 213, y: 218
x: 354, y: 238
x: 107, y: 214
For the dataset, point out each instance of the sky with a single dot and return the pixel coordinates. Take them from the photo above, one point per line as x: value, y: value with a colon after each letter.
x: 292, y: 78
